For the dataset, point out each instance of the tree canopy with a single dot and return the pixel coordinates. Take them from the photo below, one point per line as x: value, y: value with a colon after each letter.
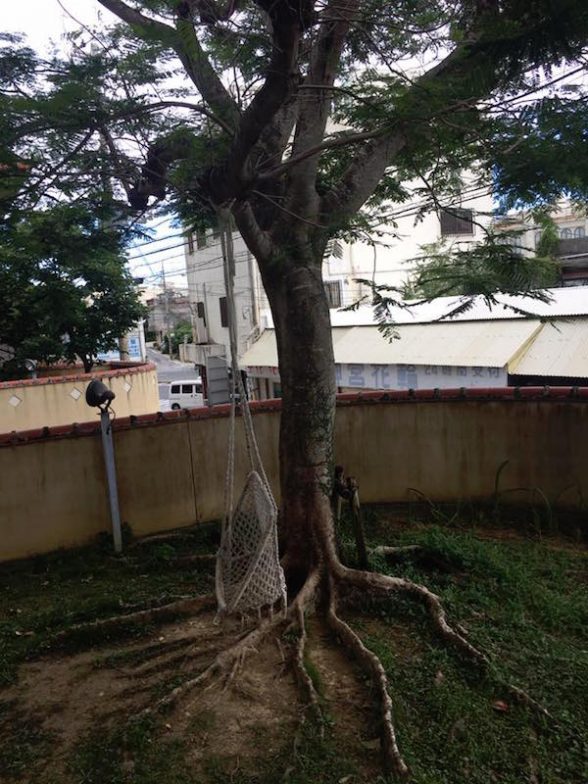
x: 203, y: 104
x: 65, y: 291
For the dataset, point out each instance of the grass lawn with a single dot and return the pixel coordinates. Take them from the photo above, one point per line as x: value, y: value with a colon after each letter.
x: 73, y: 709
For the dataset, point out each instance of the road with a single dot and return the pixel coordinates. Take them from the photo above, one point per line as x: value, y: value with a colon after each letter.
x: 169, y: 369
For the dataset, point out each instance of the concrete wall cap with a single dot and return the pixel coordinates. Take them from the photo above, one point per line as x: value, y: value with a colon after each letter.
x: 544, y: 395
x: 123, y: 369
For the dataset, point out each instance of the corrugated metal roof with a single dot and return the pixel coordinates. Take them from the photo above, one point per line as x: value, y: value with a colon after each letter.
x: 263, y: 353
x: 560, y: 349
x: 488, y: 344
x: 570, y: 301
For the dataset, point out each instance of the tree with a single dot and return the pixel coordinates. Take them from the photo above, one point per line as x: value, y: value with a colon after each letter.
x: 182, y: 330
x: 494, y: 266
x: 65, y: 291
x: 305, y: 128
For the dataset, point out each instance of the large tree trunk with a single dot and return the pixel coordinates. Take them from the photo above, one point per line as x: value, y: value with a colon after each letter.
x: 307, y: 370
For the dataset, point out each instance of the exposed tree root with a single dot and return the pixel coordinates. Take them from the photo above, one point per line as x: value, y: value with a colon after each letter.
x: 334, y: 579
x: 186, y: 533
x: 183, y: 654
x: 226, y: 663
x: 302, y: 675
x: 454, y: 635
x: 521, y: 696
x: 395, y: 552
x: 188, y: 606
x: 393, y: 761
x: 380, y: 583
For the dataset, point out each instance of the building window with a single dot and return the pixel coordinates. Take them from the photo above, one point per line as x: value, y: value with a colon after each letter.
x: 224, y: 314
x: 190, y: 243
x: 456, y: 221
x: 200, y: 312
x: 200, y: 238
x: 516, y: 243
x: 333, y: 292
x: 572, y: 233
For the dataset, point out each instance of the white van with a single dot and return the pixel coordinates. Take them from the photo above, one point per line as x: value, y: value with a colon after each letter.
x: 186, y: 394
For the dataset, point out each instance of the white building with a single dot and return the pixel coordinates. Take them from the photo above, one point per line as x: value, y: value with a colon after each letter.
x: 393, y: 258
x: 389, y: 262
x: 572, y: 247
x: 208, y: 301
x: 480, y: 348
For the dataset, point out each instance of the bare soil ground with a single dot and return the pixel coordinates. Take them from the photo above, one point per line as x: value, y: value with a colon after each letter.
x: 83, y: 709
x: 254, y: 716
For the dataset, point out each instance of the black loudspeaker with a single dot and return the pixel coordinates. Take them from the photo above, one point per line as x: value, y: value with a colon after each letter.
x: 98, y: 394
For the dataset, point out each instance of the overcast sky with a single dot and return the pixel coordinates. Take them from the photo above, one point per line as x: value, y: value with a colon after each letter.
x: 43, y: 20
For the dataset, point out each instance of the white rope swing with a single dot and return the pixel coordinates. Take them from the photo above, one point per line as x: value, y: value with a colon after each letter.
x: 248, y: 571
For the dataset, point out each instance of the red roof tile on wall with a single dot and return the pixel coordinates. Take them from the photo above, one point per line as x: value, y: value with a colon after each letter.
x: 393, y: 396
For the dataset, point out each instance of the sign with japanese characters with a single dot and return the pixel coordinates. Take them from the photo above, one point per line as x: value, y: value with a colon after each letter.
x: 363, y: 376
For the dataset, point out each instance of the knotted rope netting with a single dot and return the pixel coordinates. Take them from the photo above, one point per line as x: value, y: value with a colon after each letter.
x: 248, y: 571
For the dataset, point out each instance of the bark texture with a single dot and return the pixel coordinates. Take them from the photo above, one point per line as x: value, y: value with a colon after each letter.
x: 301, y: 316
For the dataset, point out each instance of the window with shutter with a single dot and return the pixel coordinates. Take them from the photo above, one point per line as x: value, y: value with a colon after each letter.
x: 200, y: 312
x: 224, y: 314
x: 456, y: 221
x: 333, y: 291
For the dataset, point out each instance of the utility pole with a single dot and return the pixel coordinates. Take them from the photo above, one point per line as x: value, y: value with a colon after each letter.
x: 123, y: 348
x: 166, y: 306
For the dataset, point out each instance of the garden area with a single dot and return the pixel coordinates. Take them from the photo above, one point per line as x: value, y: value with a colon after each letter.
x: 100, y: 657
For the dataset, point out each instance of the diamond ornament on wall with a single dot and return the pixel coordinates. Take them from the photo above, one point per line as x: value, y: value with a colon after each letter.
x: 75, y: 393
x: 14, y: 401
x: 127, y: 387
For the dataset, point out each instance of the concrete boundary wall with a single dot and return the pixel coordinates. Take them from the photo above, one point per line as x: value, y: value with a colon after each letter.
x: 447, y: 444
x: 55, y: 400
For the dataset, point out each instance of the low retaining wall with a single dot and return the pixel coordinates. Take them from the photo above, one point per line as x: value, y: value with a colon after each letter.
x: 60, y: 399
x: 171, y: 467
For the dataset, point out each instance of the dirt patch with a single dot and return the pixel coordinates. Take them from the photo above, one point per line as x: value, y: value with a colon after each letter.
x: 250, y: 719
x: 69, y: 697
x: 347, y: 701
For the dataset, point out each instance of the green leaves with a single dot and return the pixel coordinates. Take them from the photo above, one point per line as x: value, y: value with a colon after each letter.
x: 63, y: 273
x: 493, y: 266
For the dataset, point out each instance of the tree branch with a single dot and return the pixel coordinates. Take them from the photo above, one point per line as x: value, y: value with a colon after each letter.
x: 142, y: 24
x: 257, y: 240
x: 324, y: 65
x: 329, y: 144
x: 184, y: 41
x: 288, y: 21
x: 199, y: 69
x: 154, y: 171
x: 193, y: 107
x: 363, y: 175
x: 275, y: 137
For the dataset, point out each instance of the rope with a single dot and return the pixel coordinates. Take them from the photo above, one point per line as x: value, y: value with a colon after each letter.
x: 248, y: 572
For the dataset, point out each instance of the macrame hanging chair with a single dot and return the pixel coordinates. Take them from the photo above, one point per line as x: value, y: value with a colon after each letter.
x: 248, y: 572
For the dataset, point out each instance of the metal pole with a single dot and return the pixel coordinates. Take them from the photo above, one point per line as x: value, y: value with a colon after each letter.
x: 108, y: 447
